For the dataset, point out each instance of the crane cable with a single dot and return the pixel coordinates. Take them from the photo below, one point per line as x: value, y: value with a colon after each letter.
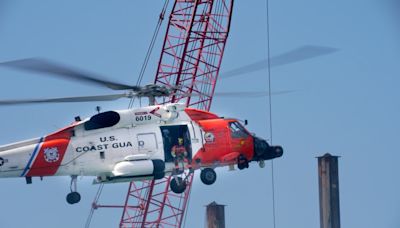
x: 150, y: 48
x: 142, y: 71
x: 94, y: 205
x: 270, y: 115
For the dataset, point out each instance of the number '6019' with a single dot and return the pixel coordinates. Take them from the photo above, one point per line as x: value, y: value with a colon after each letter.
x: 143, y: 118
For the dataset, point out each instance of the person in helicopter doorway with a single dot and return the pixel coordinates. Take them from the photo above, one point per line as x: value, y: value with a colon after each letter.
x: 179, y: 154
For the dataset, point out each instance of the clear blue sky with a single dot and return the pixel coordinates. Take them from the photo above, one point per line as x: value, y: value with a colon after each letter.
x: 345, y: 103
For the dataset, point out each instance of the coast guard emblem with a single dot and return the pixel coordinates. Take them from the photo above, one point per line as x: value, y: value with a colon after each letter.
x: 209, y: 137
x: 51, y: 154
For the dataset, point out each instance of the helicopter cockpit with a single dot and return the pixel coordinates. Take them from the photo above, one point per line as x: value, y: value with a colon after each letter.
x: 237, y: 130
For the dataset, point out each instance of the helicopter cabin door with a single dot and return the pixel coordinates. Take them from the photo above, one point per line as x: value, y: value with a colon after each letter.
x: 171, y: 137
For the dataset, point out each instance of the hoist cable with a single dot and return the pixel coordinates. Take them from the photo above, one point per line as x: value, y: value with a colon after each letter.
x: 270, y: 115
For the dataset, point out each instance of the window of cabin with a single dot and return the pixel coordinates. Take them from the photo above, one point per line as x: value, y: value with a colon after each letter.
x: 237, y: 130
x: 102, y: 120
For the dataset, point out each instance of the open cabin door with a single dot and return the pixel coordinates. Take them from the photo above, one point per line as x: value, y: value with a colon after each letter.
x: 170, y: 135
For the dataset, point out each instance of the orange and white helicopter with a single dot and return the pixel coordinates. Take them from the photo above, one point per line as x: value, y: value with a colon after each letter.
x: 132, y: 144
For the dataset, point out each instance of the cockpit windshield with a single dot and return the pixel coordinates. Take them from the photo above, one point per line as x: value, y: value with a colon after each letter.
x: 102, y: 120
x: 237, y: 130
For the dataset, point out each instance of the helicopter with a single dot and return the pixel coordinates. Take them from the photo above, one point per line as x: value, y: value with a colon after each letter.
x: 130, y: 144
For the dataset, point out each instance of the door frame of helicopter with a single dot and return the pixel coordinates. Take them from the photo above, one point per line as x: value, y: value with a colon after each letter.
x: 170, y: 135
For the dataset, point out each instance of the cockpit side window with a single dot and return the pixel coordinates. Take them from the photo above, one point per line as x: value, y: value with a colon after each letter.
x: 102, y: 120
x: 237, y: 130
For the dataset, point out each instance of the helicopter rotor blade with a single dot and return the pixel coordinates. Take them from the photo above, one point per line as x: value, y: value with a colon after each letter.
x: 245, y: 94
x: 38, y: 65
x: 251, y: 94
x: 111, y: 97
x: 296, y: 55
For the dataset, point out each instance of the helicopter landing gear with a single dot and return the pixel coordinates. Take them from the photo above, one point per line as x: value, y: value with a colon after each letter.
x: 208, y: 176
x: 73, y: 197
x: 180, y: 178
x: 242, y: 162
x: 178, y: 185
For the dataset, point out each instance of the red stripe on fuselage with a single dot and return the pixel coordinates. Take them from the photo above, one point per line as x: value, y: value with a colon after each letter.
x: 51, y: 153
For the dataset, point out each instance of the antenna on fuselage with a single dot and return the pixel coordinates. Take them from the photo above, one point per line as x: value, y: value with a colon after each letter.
x: 152, y: 100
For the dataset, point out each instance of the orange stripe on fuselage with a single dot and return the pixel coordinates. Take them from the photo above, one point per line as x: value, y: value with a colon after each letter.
x: 47, y: 164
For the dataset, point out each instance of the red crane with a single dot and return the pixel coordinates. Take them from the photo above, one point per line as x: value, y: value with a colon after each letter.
x: 190, y: 61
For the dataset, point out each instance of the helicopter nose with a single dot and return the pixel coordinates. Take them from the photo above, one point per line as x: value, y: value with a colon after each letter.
x: 263, y: 151
x: 278, y: 151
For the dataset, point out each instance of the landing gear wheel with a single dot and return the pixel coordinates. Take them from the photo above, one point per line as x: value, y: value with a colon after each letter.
x: 208, y: 176
x: 242, y: 162
x: 178, y: 185
x: 73, y: 197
